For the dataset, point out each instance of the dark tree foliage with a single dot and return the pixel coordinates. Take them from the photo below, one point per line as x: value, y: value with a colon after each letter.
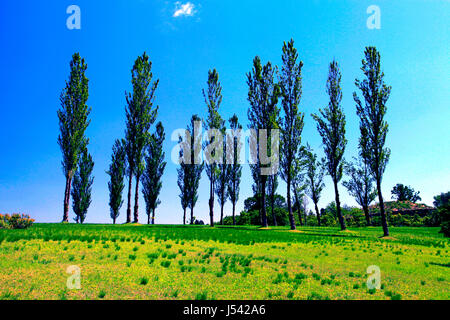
x: 140, y: 114
x: 213, y: 99
x: 315, y: 171
x: 401, y: 192
x: 183, y: 182
x: 235, y: 147
x: 154, y: 170
x: 292, y: 124
x: 331, y: 127
x: 82, y: 186
x: 263, y: 93
x: 373, y: 127
x: 73, y: 121
x: 116, y: 183
x: 442, y: 204
x: 272, y: 185
x: 194, y: 168
x: 360, y: 185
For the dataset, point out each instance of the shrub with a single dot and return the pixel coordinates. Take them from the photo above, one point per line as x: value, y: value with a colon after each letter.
x: 15, y: 221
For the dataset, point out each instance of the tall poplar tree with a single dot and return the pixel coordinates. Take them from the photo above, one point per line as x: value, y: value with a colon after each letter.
x: 292, y: 125
x: 263, y: 93
x: 82, y: 186
x: 116, y: 184
x: 315, y: 170
x: 183, y: 182
x: 360, y: 185
x: 141, y: 114
x: 194, y: 168
x: 331, y: 127
x: 213, y: 99
x: 73, y: 121
x: 373, y: 126
x: 154, y: 170
x: 235, y: 147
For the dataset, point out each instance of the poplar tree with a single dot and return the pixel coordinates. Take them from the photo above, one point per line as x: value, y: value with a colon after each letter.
x: 373, y: 127
x: 223, y: 176
x: 235, y: 147
x: 73, y: 121
x: 360, y: 185
x: 331, y: 127
x: 116, y: 183
x: 82, y: 186
x: 154, y: 170
x: 141, y: 114
x: 194, y: 167
x: 315, y: 170
x: 213, y: 99
x: 263, y: 93
x: 183, y: 182
x: 292, y: 125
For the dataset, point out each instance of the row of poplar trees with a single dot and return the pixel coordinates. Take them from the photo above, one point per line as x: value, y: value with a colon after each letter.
x: 300, y: 168
x: 139, y: 155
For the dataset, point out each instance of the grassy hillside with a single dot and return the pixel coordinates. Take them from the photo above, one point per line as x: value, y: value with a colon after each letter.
x: 195, y: 262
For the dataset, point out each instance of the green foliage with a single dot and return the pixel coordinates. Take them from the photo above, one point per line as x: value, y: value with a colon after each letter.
x: 401, y: 192
x: 442, y: 204
x: 214, y: 124
x: 360, y: 185
x: 235, y: 166
x: 315, y: 171
x: 373, y: 127
x: 82, y: 186
x: 73, y: 121
x: 292, y: 125
x: 331, y: 127
x: 154, y: 170
x: 140, y: 115
x: 116, y: 173
x: 263, y: 94
x: 15, y: 221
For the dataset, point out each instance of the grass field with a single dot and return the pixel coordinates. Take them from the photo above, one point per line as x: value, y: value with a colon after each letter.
x: 194, y: 262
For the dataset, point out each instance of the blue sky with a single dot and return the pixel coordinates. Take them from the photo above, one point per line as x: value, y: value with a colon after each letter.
x: 414, y: 42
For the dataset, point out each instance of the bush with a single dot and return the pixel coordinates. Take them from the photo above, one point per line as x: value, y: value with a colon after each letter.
x: 15, y: 221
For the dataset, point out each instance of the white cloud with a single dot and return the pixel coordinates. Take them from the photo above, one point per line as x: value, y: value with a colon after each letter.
x: 186, y: 9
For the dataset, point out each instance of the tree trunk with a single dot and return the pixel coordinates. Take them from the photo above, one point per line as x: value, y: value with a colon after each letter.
x: 67, y: 199
x: 366, y: 213
x: 136, y: 201
x: 338, y: 206
x: 382, y: 213
x: 211, y: 202
x: 263, y: 201
x: 289, y: 204
x: 221, y: 213
x: 130, y: 179
x: 234, y: 218
x: 148, y: 218
x: 184, y: 215
x: 114, y: 220
x: 192, y: 214
x: 317, y: 213
x: 153, y: 216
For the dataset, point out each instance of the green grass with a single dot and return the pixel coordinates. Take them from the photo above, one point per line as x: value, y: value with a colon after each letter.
x: 199, y: 262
